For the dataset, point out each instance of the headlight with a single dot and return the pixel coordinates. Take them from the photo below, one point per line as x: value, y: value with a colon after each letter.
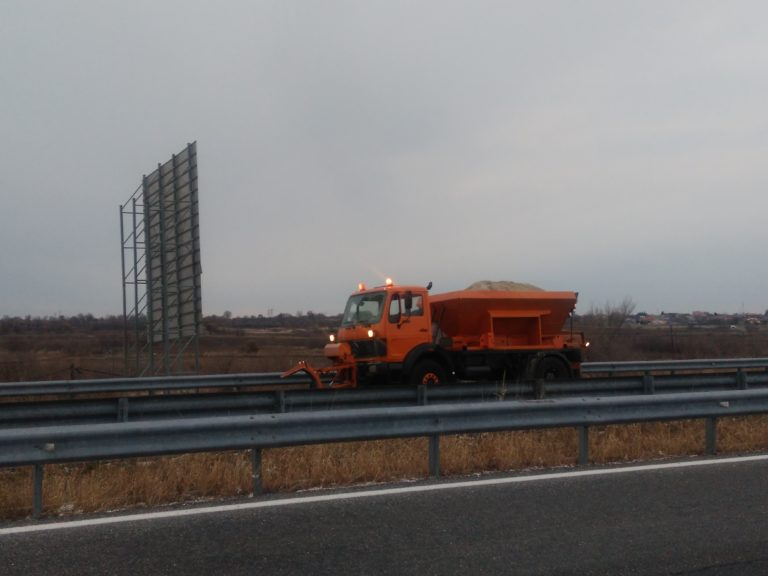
x: 370, y: 333
x: 332, y: 338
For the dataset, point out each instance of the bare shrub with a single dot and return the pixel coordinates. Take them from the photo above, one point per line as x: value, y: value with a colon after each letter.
x: 604, y: 325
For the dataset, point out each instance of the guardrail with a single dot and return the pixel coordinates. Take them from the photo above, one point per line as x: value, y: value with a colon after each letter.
x: 123, y: 409
x: 57, y: 444
x: 590, y: 368
x: 273, y: 379
x: 152, y: 384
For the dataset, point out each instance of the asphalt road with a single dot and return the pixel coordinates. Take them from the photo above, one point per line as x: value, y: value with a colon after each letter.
x: 703, y: 520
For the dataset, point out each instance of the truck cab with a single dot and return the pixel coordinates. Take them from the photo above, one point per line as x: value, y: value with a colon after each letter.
x: 380, y: 328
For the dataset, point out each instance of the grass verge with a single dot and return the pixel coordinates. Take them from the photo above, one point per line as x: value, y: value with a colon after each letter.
x: 112, y: 485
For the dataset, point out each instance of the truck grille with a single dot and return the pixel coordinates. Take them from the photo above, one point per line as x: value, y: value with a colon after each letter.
x: 368, y: 348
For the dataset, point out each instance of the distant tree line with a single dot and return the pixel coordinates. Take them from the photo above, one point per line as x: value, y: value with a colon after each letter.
x: 300, y: 320
x: 90, y: 323
x: 609, y: 319
x: 58, y: 324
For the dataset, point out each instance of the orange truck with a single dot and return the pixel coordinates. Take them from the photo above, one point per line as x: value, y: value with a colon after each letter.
x: 404, y: 334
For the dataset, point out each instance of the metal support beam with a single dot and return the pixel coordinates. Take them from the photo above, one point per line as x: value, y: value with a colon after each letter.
x: 149, y: 250
x: 125, y: 296
x: 280, y: 401
x: 256, y: 471
x: 136, y: 307
x: 163, y: 280
x: 434, y: 456
x: 711, y: 434
x: 649, y: 385
x: 37, y: 497
x: 421, y: 395
x: 122, y: 410
x: 583, y: 445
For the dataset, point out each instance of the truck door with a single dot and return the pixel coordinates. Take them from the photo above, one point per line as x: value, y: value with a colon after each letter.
x: 408, y: 324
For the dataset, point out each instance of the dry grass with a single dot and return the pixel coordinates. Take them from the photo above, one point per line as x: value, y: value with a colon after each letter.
x: 115, y: 485
x: 151, y: 482
x: 468, y: 453
x: 747, y: 434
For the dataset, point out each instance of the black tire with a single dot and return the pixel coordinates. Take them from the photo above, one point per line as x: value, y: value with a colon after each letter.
x: 429, y: 373
x: 553, y: 368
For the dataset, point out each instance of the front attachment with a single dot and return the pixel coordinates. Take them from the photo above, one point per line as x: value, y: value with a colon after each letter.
x: 341, y: 375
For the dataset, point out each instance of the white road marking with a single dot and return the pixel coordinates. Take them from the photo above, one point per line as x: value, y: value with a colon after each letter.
x: 377, y: 492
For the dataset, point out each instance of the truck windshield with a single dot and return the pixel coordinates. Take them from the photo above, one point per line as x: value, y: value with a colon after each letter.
x: 364, y: 309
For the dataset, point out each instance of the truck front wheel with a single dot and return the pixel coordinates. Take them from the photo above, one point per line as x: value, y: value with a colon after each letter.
x: 428, y: 373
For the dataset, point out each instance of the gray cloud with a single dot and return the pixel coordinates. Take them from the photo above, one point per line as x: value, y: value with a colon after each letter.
x: 615, y: 148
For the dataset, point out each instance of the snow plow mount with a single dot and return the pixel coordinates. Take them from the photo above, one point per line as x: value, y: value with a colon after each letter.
x: 342, y: 376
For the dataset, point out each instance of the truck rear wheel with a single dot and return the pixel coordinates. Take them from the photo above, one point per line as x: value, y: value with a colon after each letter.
x: 552, y: 368
x: 428, y: 373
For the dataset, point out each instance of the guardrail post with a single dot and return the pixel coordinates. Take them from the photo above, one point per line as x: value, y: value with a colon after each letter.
x: 421, y: 395
x: 710, y: 425
x: 741, y: 380
x: 37, y: 497
x: 258, y: 488
x: 122, y: 410
x: 280, y: 401
x: 538, y: 389
x: 583, y: 445
x: 649, y: 386
x: 434, y: 456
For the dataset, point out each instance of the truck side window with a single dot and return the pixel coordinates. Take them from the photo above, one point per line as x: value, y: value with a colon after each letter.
x: 417, y: 308
x: 394, y: 309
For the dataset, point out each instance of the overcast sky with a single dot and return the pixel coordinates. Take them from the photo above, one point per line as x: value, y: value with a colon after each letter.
x: 619, y: 149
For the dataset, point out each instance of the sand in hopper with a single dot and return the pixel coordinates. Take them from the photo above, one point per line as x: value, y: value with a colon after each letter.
x: 504, y: 285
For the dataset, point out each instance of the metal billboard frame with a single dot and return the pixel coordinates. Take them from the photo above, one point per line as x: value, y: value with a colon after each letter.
x: 162, y: 298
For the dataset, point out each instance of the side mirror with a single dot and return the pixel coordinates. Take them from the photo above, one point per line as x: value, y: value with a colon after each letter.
x: 408, y: 302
